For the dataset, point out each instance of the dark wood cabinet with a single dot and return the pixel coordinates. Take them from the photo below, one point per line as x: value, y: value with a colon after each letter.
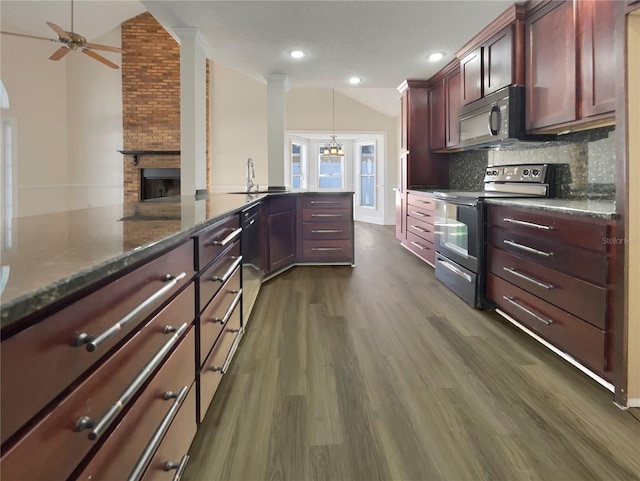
x: 597, y: 21
x: 420, y: 231
x: 281, y: 228
x: 453, y: 103
x: 400, y: 220
x: 497, y: 61
x: 471, y: 76
x: 437, y: 116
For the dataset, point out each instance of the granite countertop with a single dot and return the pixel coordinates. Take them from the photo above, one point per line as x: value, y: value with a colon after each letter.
x: 603, y: 209
x: 55, y: 255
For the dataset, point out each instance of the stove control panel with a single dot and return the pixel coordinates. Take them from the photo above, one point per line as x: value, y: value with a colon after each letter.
x: 536, y: 173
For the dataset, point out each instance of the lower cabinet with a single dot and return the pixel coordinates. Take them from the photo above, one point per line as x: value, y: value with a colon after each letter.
x: 281, y: 233
x: 419, y: 221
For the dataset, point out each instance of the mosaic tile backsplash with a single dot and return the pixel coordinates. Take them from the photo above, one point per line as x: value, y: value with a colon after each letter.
x: 586, y: 164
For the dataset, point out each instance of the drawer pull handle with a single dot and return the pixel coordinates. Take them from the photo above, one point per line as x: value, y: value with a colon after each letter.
x: 179, y: 467
x: 326, y: 231
x: 527, y: 224
x: 326, y: 215
x: 527, y: 248
x: 512, y: 301
x: 235, y: 233
x: 223, y: 320
x: 525, y: 277
x: 420, y: 214
x: 163, y: 427
x: 419, y: 229
x: 230, y: 270
x: 420, y: 246
x: 93, y: 342
x: 422, y: 201
x: 234, y: 346
x: 321, y: 249
x: 325, y: 202
x: 455, y: 270
x: 97, y: 426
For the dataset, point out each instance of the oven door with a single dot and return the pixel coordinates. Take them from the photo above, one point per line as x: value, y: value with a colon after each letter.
x: 458, y: 232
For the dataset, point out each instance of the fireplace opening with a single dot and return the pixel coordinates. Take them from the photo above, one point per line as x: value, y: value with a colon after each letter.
x: 160, y: 182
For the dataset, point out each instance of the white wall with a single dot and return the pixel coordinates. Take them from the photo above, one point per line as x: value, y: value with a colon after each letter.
x: 68, y: 119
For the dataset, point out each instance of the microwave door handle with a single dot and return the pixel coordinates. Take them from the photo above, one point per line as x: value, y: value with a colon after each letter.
x: 494, y: 110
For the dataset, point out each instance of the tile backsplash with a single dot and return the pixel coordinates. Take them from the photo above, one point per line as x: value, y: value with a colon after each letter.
x: 586, y: 170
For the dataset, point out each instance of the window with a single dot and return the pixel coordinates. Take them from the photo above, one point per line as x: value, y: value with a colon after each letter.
x: 330, y: 171
x: 298, y: 166
x: 367, y: 157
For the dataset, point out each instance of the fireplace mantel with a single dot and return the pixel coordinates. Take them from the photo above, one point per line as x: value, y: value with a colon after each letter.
x: 136, y: 153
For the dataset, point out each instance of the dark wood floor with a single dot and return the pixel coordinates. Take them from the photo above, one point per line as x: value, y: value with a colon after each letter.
x: 380, y: 372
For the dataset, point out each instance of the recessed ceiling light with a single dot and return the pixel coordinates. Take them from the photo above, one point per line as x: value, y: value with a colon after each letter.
x: 297, y: 53
x: 435, y: 56
x: 355, y: 80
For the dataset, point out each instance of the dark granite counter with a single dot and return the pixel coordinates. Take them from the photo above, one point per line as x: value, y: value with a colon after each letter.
x: 603, y: 209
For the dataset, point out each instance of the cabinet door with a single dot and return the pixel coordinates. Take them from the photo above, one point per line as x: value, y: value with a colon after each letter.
x: 550, y: 65
x: 497, y: 59
x: 454, y: 102
x: 597, y: 21
x: 437, y: 119
x: 281, y: 225
x: 471, y: 71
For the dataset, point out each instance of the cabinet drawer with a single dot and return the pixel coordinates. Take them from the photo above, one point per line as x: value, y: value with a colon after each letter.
x: 327, y: 250
x: 211, y: 320
x: 570, y: 334
x: 420, y: 213
x: 211, y: 280
x: 586, y: 265
x: 326, y: 202
x: 584, y: 300
x: 326, y: 215
x: 123, y: 449
x: 424, y: 249
x: 327, y: 230
x: 59, y: 445
x: 212, y: 241
x: 44, y: 359
x: 421, y: 229
x: 217, y: 363
x: 424, y: 202
x: 566, y: 229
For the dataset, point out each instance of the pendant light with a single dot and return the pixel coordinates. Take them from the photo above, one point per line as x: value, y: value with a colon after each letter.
x: 333, y: 148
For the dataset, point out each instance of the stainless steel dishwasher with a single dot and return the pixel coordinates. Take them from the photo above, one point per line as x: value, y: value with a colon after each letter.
x: 251, y: 271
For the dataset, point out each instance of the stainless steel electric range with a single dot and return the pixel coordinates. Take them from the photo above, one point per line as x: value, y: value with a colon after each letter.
x: 461, y: 228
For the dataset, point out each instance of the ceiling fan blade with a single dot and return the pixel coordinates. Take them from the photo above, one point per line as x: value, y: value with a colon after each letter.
x: 29, y: 36
x: 58, y: 54
x: 61, y: 33
x: 99, y: 58
x: 107, y: 48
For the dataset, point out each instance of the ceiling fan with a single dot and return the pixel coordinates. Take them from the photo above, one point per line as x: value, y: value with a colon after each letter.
x: 73, y: 41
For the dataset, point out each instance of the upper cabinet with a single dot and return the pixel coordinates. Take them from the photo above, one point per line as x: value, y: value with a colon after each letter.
x: 471, y: 74
x: 569, y: 67
x: 445, y: 99
x: 453, y: 99
x: 437, y: 115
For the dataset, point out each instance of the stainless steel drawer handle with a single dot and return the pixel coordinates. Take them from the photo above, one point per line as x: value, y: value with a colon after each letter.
x: 419, y: 229
x: 512, y: 301
x: 527, y: 224
x: 326, y: 231
x: 234, y: 346
x: 420, y: 214
x: 154, y: 442
x: 525, y: 248
x: 422, y: 201
x: 179, y: 467
x: 321, y: 249
x: 93, y: 342
x: 325, y: 202
x: 223, y: 320
x: 230, y: 270
x: 326, y: 215
x: 525, y: 277
x: 97, y: 426
x: 419, y: 246
x: 235, y: 233
x: 455, y: 270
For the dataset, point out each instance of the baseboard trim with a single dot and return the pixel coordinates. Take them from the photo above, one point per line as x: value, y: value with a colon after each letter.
x: 634, y: 403
x: 604, y: 383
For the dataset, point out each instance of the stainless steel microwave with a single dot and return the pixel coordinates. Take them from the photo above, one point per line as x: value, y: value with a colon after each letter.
x: 496, y: 120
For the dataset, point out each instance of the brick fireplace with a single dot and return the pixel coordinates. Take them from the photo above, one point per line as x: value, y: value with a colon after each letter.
x: 151, y: 107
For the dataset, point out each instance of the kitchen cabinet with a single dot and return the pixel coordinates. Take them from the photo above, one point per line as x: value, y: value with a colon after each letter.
x: 420, y: 232
x: 471, y: 76
x: 453, y: 103
x: 85, y: 367
x: 569, y: 65
x: 552, y: 274
x: 281, y: 233
x: 497, y: 61
x: 437, y: 116
x: 400, y: 220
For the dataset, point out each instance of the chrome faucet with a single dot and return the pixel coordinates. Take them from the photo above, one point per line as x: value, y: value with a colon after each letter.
x: 251, y: 175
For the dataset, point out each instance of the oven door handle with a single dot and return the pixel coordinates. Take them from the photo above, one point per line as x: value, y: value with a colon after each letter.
x: 456, y: 270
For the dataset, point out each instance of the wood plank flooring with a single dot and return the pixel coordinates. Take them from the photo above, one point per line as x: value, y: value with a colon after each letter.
x: 379, y: 372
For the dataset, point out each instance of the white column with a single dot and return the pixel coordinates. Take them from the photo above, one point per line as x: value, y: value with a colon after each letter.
x: 277, y: 86
x: 193, y: 114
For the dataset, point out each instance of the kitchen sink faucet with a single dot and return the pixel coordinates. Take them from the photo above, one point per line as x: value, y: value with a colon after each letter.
x: 251, y: 175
